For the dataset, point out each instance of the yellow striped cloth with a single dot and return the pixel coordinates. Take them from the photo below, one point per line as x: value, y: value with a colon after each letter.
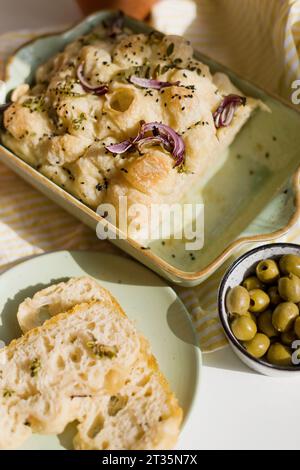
x: 260, y: 39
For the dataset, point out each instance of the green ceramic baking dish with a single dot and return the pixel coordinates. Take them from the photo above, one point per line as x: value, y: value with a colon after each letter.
x: 254, y: 197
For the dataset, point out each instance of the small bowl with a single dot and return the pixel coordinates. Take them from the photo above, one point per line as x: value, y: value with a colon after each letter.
x: 241, y: 268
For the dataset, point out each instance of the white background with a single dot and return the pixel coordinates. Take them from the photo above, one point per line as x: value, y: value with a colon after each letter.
x: 235, y: 408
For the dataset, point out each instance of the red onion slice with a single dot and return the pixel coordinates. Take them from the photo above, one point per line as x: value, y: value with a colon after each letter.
x: 150, y: 83
x: 158, y: 140
x: 161, y: 134
x: 225, y: 112
x: 121, y: 147
x: 174, y: 139
x: 96, y: 90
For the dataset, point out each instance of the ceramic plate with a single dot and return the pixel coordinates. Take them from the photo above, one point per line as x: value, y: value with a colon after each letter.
x: 147, y: 300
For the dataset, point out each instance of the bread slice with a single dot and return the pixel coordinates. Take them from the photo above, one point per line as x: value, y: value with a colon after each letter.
x: 143, y: 414
x: 88, y: 351
x: 57, y: 299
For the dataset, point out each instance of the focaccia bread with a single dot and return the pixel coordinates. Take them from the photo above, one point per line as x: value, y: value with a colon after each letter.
x: 59, y: 298
x: 144, y: 415
x: 132, y: 408
x: 98, y: 92
x: 87, y: 351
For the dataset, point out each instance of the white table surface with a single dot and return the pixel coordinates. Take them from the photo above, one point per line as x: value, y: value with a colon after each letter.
x: 235, y: 408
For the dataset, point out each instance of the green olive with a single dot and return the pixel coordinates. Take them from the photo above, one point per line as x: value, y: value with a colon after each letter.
x: 244, y: 328
x: 238, y: 300
x: 290, y: 264
x: 252, y: 282
x: 284, y: 316
x: 258, y: 346
x: 289, y: 288
x: 288, y: 337
x: 279, y: 355
x: 297, y: 327
x: 251, y: 315
x: 274, y: 295
x: 267, y: 271
x: 265, y: 324
x: 259, y: 301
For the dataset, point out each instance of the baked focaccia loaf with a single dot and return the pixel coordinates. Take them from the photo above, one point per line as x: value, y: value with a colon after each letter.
x: 98, y: 91
x: 72, y: 368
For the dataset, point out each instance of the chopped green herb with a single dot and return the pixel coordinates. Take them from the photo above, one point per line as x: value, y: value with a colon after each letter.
x: 7, y: 393
x: 101, y: 351
x: 78, y: 122
x: 116, y: 403
x: 170, y: 49
x: 35, y: 367
x: 157, y: 70
x: 66, y: 88
x: 36, y: 104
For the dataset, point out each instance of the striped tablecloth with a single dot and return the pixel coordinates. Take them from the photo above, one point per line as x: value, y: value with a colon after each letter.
x: 260, y: 39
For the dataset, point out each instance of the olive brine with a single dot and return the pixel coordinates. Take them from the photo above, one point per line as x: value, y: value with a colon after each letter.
x: 264, y: 310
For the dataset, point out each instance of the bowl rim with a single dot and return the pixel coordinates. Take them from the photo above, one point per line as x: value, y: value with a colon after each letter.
x: 222, y: 312
x: 177, y: 275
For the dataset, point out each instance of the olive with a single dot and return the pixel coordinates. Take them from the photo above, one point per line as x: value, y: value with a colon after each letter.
x: 252, y: 282
x: 297, y: 327
x: 289, y: 288
x: 259, y: 301
x: 238, y: 300
x: 251, y: 315
x: 267, y: 271
x: 258, y: 346
x: 279, y: 355
x: 274, y: 295
x: 288, y: 337
x: 290, y: 264
x: 244, y: 328
x: 284, y: 316
x: 265, y: 324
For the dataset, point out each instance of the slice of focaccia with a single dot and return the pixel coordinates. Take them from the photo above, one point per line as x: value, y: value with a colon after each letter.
x: 142, y: 414
x: 89, y: 350
x: 59, y: 298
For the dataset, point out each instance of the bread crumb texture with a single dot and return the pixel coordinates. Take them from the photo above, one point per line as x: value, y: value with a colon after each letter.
x: 88, y: 365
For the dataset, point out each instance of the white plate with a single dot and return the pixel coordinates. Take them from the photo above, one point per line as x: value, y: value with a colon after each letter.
x: 147, y: 300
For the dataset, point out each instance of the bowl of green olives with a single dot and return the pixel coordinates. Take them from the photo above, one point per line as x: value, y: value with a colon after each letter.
x: 259, y: 308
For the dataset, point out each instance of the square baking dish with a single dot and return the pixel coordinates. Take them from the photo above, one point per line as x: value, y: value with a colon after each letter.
x: 253, y: 197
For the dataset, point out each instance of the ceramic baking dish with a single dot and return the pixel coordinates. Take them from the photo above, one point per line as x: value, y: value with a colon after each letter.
x: 253, y: 197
